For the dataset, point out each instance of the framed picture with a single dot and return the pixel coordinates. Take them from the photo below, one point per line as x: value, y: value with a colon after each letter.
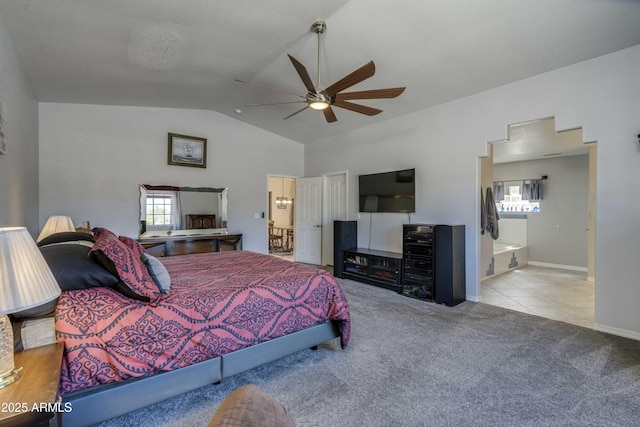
x: 187, y: 151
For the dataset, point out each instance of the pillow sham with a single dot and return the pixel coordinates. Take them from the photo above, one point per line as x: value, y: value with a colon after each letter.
x: 101, y: 231
x: 65, y: 236
x: 120, y: 287
x: 134, y: 245
x: 73, y: 269
x: 158, y: 272
x: 129, y: 268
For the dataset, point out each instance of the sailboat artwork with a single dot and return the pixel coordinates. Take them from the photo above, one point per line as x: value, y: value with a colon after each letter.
x: 187, y: 151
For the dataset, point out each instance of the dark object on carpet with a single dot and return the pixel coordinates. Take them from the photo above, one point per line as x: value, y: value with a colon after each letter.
x: 250, y: 407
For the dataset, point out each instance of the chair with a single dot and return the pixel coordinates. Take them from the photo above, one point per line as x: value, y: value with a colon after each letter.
x: 275, y: 238
x: 289, y: 245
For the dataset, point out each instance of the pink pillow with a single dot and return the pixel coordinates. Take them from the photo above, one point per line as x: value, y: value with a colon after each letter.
x: 100, y: 231
x: 132, y: 272
x: 133, y: 244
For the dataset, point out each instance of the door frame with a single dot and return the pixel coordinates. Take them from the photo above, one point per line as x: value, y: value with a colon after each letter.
x: 265, y: 213
x: 327, y: 227
x: 326, y: 231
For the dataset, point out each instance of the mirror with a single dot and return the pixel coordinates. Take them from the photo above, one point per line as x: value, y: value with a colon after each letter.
x: 167, y: 210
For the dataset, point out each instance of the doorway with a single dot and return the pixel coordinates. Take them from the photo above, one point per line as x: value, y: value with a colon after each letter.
x: 301, y: 212
x: 548, y: 249
x: 321, y: 201
x: 281, y: 216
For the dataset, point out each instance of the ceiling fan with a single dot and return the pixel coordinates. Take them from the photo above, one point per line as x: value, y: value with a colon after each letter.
x: 320, y: 98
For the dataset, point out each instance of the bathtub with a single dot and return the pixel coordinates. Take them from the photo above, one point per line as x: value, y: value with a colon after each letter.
x: 507, y: 257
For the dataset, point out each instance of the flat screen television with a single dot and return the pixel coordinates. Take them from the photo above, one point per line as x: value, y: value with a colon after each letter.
x: 388, y: 192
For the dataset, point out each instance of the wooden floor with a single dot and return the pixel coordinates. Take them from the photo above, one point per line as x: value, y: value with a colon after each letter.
x: 556, y: 294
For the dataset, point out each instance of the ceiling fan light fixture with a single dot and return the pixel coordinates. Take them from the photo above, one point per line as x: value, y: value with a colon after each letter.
x: 323, y: 99
x: 319, y: 105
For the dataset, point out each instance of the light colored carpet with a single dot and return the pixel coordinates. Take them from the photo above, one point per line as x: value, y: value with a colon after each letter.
x: 414, y: 363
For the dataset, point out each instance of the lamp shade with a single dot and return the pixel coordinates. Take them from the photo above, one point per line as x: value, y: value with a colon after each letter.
x: 56, y: 224
x: 25, y: 278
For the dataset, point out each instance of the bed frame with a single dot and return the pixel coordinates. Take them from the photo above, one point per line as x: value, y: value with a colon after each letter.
x: 107, y: 401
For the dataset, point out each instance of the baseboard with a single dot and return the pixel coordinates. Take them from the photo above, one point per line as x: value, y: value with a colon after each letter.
x: 561, y: 266
x: 625, y: 333
x: 502, y: 272
x: 473, y: 298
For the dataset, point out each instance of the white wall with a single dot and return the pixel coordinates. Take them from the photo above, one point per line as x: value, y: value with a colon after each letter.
x: 95, y: 157
x: 19, y: 167
x: 443, y: 143
x: 513, y: 231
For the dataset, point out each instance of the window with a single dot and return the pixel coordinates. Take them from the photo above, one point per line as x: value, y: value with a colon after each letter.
x: 159, y: 209
x: 513, y: 202
x: 163, y: 210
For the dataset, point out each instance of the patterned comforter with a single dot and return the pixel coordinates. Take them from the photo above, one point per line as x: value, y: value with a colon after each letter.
x: 218, y: 303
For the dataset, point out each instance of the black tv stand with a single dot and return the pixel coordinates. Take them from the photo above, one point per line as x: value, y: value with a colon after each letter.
x: 379, y: 268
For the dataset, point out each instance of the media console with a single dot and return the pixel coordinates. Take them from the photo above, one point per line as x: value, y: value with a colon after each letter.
x: 431, y: 266
x: 374, y: 267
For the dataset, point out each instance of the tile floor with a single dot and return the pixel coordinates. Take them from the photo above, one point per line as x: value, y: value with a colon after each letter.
x: 553, y: 293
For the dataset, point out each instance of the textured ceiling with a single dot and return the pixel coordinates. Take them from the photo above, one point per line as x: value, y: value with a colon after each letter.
x: 186, y: 54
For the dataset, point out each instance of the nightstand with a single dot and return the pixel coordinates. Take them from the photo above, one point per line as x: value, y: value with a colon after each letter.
x: 37, y: 388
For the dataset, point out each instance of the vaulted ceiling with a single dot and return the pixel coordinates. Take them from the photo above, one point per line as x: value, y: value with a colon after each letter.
x: 186, y: 54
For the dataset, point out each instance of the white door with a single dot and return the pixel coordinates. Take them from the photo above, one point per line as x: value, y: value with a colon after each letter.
x: 308, y: 221
x: 335, y: 208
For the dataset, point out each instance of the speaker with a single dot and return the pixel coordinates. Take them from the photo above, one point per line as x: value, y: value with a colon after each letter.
x: 345, y: 236
x: 449, y: 268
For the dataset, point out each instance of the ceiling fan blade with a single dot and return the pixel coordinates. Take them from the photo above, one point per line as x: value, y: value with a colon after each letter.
x: 355, y: 77
x: 391, y: 92
x: 304, y: 74
x: 299, y: 111
x: 329, y: 115
x: 274, y: 103
x: 362, y: 109
x: 268, y: 87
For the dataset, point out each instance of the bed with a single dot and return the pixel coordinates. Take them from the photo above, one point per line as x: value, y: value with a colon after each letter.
x: 223, y: 313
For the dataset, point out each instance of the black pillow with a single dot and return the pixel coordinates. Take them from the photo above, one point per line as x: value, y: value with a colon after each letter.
x: 74, y: 270
x: 65, y: 236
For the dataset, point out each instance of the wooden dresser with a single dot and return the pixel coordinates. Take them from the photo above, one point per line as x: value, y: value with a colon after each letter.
x: 200, y: 221
x: 184, y: 245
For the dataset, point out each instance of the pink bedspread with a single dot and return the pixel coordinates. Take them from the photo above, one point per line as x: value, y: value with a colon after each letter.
x: 218, y: 303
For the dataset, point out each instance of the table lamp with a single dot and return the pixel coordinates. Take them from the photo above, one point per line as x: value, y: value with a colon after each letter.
x: 56, y: 224
x: 25, y: 282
